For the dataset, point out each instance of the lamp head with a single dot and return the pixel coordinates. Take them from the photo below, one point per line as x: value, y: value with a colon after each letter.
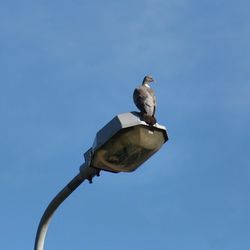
x: 125, y: 143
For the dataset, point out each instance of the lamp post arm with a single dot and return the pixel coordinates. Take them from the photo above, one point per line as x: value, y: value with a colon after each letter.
x: 86, y: 173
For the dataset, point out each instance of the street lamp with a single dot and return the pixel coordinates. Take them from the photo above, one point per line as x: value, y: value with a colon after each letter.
x: 120, y: 146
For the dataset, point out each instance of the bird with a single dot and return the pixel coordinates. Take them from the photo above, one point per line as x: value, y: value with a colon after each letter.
x: 145, y: 100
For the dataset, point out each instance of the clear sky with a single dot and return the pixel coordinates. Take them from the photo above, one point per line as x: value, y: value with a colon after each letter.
x: 68, y: 67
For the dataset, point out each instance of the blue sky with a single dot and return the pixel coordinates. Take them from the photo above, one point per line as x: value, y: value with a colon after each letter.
x: 68, y: 67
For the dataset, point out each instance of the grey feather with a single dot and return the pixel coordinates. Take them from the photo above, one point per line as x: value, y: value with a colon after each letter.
x: 144, y: 97
x: 145, y: 100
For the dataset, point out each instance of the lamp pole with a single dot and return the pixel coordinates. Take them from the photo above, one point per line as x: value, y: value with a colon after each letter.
x: 120, y: 146
x: 86, y: 173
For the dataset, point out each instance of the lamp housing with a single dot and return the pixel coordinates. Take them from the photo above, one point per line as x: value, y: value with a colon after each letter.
x: 124, y: 143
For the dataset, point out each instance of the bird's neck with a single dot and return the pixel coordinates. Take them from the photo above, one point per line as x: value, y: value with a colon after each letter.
x: 146, y: 85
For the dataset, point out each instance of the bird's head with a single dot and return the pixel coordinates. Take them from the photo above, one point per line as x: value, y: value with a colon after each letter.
x: 148, y: 80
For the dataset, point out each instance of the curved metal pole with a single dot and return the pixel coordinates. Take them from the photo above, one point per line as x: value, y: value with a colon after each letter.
x: 85, y: 173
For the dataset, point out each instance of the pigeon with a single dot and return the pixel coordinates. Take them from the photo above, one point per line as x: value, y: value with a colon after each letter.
x: 145, y: 100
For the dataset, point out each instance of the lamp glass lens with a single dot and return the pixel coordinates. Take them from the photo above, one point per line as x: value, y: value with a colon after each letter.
x: 128, y: 149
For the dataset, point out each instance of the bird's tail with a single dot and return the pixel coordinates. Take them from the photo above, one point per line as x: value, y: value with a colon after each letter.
x: 150, y: 120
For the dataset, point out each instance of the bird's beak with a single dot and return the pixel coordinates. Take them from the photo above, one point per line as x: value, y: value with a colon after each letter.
x: 154, y: 81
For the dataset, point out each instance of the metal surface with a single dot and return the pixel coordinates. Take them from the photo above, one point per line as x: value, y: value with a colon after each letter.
x: 87, y: 173
x: 119, y: 122
x: 125, y: 143
x: 122, y: 145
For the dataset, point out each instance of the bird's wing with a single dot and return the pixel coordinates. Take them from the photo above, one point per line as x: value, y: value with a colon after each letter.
x: 145, y: 100
x: 139, y: 96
